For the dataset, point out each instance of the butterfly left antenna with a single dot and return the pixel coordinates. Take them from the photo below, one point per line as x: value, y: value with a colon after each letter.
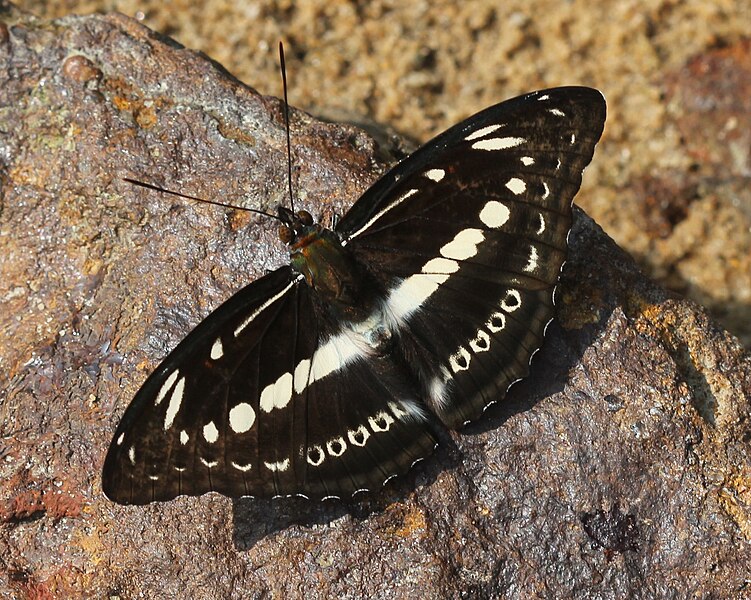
x: 283, y: 67
x: 149, y: 186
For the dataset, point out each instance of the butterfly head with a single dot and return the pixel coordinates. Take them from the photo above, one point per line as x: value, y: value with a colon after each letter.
x: 295, y: 226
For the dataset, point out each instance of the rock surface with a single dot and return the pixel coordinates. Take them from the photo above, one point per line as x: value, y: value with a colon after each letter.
x: 620, y: 468
x: 671, y: 182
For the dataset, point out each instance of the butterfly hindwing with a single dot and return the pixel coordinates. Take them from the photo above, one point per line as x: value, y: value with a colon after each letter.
x: 468, y: 236
x: 256, y: 401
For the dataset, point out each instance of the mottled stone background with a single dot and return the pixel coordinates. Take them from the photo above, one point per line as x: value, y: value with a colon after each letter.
x: 619, y: 469
x: 673, y: 168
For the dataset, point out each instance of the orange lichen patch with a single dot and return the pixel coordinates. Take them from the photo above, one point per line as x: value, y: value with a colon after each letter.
x: 66, y: 582
x: 145, y: 110
x: 735, y: 499
x: 33, y: 590
x: 654, y: 316
x: 122, y: 103
x: 145, y: 116
x: 26, y: 174
x: 92, y: 266
x: 25, y: 505
x: 234, y: 133
x: 412, y: 521
x: 91, y: 543
x: 238, y: 219
x: 35, y: 500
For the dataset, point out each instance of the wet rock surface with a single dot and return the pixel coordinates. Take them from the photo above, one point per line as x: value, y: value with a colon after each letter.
x: 619, y: 468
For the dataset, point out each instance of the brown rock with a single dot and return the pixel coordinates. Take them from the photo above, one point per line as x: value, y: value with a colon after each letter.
x: 619, y: 468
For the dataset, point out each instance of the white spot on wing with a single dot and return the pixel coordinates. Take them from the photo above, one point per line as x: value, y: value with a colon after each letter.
x: 174, y: 403
x: 442, y: 266
x: 494, y: 214
x: 302, y: 373
x: 280, y: 466
x: 277, y: 394
x: 498, y: 143
x: 208, y: 463
x: 573, y: 139
x: 516, y: 185
x: 184, y: 437
x: 337, y: 352
x: 464, y: 244
x: 408, y: 409
x: 398, y: 411
x: 412, y: 293
x: 210, y: 432
x: 264, y: 306
x: 556, y: 112
x: 437, y: 389
x: 243, y: 468
x: 120, y: 438
x: 166, y: 387
x: 545, y: 97
x: 331, y: 356
x: 527, y: 160
x: 241, y: 417
x: 382, y: 212
x: 435, y: 174
x: 546, y: 193
x: 483, y: 132
x: 217, y: 350
x: 132, y: 455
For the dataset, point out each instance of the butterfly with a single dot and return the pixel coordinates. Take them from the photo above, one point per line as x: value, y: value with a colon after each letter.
x: 423, y: 304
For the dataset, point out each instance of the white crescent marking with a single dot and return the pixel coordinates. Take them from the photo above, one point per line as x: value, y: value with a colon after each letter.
x: 280, y: 466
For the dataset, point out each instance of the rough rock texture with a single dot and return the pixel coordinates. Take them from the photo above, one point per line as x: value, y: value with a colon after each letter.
x: 620, y: 468
x: 671, y: 183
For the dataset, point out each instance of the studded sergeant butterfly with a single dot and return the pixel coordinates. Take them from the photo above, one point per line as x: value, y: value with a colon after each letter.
x: 427, y: 299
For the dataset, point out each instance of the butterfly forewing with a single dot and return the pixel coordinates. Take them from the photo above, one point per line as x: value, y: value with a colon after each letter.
x: 468, y: 237
x: 280, y: 392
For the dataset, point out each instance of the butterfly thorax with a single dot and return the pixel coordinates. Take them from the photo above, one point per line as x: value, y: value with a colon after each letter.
x: 330, y: 270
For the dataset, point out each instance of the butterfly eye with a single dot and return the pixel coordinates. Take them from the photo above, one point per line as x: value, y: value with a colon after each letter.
x: 305, y: 217
x: 285, y: 234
